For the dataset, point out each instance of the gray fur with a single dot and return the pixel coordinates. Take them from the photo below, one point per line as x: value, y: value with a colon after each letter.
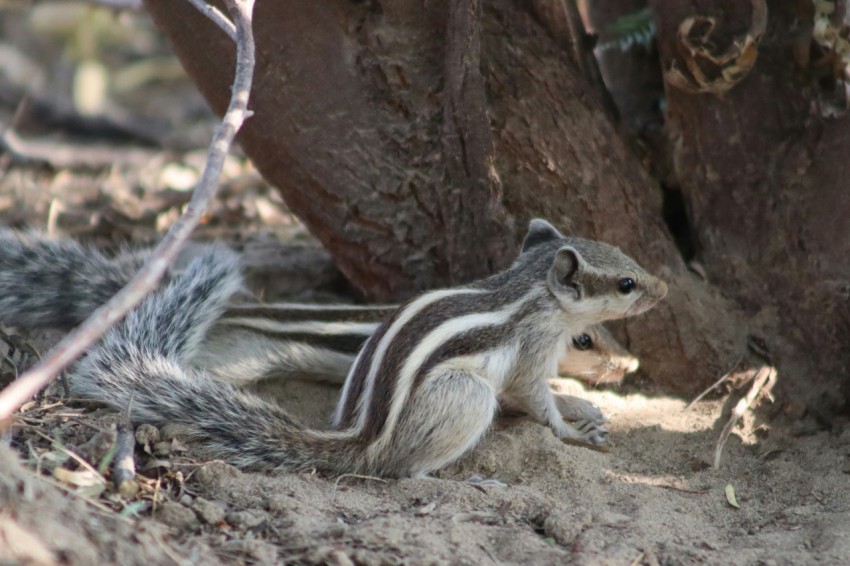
x: 243, y: 355
x: 56, y: 283
x: 423, y: 389
x: 502, y: 334
x: 251, y: 342
x: 142, y: 364
x: 604, y: 361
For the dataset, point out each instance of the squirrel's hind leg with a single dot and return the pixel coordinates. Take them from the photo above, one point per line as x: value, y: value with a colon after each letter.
x: 444, y: 418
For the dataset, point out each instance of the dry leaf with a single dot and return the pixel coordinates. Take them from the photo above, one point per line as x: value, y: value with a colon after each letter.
x: 79, y: 478
x: 730, y: 496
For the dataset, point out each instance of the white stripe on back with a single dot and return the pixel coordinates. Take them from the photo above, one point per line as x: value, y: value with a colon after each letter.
x: 308, y: 326
x: 424, y: 349
x: 318, y: 307
x: 410, y: 311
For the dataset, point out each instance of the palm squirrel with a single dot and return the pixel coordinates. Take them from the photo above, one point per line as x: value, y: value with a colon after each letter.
x: 421, y: 392
x: 319, y: 342
x: 254, y: 341
x: 58, y: 283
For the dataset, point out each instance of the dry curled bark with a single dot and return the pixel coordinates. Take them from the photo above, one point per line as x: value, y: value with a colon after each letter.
x: 416, y: 139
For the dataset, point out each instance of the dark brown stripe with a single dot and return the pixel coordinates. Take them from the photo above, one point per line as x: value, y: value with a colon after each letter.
x: 345, y: 342
x: 412, y: 334
x: 480, y: 340
x: 473, y: 342
x: 357, y: 377
x: 283, y: 314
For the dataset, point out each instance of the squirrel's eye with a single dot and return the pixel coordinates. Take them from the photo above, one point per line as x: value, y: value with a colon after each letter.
x: 583, y: 342
x: 626, y: 285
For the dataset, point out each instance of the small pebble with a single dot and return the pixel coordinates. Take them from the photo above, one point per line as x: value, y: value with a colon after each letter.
x: 209, y: 512
x: 175, y: 515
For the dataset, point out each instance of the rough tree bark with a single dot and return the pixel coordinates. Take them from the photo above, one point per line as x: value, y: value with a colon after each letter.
x: 416, y: 139
x: 764, y: 171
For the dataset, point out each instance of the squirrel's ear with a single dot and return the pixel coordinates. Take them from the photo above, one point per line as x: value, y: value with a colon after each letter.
x: 567, y: 263
x: 539, y: 231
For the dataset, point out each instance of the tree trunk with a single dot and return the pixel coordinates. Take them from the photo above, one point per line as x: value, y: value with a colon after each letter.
x: 416, y: 140
x: 764, y: 171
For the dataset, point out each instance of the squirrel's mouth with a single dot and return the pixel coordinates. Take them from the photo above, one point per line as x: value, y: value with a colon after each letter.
x: 649, y: 300
x: 642, y: 305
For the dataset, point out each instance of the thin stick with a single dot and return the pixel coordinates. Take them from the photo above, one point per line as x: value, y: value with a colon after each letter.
x: 119, y: 4
x: 69, y: 156
x: 216, y: 16
x: 124, y: 465
x: 98, y: 506
x: 764, y: 381
x: 358, y: 476
x: 148, y: 277
x: 682, y: 489
x: 77, y: 458
x: 714, y: 385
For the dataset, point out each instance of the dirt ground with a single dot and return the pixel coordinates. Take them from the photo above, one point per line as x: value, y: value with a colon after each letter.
x: 651, y: 499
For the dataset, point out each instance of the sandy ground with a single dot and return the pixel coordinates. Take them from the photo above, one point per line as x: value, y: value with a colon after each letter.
x: 649, y: 500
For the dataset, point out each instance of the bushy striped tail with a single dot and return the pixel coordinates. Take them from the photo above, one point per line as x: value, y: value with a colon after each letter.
x: 143, y: 363
x: 56, y: 283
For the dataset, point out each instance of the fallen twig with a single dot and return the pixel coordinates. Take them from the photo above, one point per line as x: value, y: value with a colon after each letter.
x: 714, y: 385
x: 69, y: 156
x: 115, y: 127
x: 95, y: 504
x: 164, y: 254
x: 358, y: 476
x: 682, y: 489
x: 763, y: 382
x: 124, y: 464
x: 119, y: 4
x: 71, y: 454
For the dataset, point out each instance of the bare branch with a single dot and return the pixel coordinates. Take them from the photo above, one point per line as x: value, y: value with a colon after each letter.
x: 216, y: 16
x: 118, y: 4
x: 67, y: 155
x: 149, y: 276
x: 715, y: 385
x: 763, y: 383
x: 124, y: 465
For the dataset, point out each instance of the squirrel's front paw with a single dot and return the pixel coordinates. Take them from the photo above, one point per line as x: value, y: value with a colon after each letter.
x: 593, y: 433
x: 576, y: 409
x: 583, y: 432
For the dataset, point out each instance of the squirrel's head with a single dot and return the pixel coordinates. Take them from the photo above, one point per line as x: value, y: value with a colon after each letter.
x: 590, y: 279
x: 595, y: 357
